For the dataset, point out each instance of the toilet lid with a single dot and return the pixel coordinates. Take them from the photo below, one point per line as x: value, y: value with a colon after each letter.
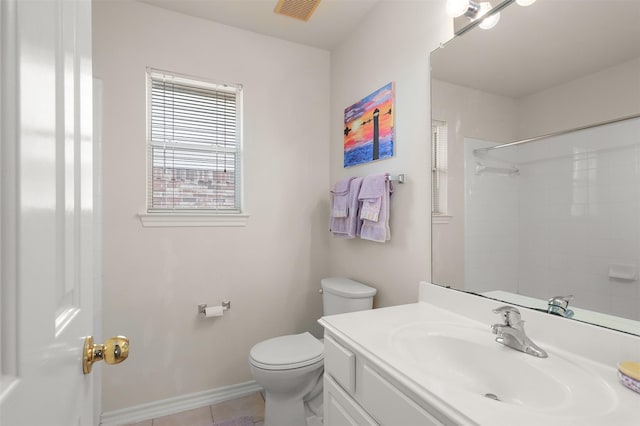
x: 287, y: 352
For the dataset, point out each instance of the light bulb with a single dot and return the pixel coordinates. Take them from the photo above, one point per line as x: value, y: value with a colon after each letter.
x: 490, y: 21
x: 457, y: 8
x: 525, y: 2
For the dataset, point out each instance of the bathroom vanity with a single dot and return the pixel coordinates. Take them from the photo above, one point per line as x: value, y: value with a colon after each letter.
x: 436, y: 362
x: 359, y: 391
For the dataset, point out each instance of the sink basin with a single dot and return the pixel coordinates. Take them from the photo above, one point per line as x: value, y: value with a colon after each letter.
x: 467, y: 360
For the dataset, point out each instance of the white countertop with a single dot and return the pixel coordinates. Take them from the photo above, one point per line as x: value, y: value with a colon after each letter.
x: 370, y: 333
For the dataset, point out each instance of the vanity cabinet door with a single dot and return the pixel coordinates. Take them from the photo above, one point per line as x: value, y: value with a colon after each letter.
x: 340, y: 362
x: 340, y: 409
x: 388, y: 405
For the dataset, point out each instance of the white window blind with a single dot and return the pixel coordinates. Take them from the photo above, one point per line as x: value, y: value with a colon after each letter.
x: 193, y: 134
x: 439, y: 168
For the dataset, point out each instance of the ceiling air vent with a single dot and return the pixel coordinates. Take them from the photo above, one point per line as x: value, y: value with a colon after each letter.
x: 299, y: 9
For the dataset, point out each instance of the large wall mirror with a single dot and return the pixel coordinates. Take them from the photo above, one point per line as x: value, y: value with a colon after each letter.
x: 536, y: 173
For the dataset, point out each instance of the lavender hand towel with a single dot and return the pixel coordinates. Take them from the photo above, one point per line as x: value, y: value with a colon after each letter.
x: 349, y: 227
x: 339, y: 195
x: 371, y: 193
x: 379, y: 230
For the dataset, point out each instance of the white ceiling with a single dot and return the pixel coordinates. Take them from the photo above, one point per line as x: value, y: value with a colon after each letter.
x: 543, y: 45
x: 609, y: 28
x: 331, y: 23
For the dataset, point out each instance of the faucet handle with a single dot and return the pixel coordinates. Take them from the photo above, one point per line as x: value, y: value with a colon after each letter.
x: 558, y: 305
x: 510, y: 314
x: 561, y: 301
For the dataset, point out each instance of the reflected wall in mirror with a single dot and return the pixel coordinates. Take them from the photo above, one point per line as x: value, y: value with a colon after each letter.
x: 557, y: 214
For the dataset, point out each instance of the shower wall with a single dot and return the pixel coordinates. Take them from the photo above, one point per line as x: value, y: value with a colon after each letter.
x: 576, y: 214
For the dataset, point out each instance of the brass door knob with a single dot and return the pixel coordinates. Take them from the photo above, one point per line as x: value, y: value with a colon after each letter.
x: 113, y: 351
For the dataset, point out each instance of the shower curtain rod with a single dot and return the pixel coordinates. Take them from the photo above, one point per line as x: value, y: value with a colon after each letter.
x: 537, y: 138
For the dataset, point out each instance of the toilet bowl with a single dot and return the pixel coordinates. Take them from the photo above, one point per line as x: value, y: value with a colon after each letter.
x: 290, y: 368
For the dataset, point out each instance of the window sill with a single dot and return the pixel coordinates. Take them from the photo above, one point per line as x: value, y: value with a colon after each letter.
x: 192, y: 219
x: 441, y: 219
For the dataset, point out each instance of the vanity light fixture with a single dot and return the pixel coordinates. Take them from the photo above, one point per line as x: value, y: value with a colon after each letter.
x: 474, y: 11
x: 468, y: 8
x: 490, y: 21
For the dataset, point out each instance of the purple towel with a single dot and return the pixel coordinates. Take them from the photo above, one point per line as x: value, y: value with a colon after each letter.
x: 371, y: 193
x: 349, y: 226
x: 374, y: 194
x: 340, y: 193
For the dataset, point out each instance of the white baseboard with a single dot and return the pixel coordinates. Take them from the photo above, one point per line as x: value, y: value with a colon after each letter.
x: 177, y: 404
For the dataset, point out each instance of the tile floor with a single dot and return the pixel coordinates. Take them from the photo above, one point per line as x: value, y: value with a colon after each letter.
x: 252, y: 406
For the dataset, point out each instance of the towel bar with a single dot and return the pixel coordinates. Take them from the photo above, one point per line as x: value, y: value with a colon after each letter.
x: 399, y: 178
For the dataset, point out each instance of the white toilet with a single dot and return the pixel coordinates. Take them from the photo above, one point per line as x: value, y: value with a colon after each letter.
x: 290, y: 368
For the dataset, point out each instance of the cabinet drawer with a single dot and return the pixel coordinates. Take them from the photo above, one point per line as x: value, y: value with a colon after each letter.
x: 388, y: 405
x: 340, y: 409
x: 340, y: 363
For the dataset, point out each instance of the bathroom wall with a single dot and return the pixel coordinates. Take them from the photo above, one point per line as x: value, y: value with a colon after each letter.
x: 392, y: 43
x: 473, y: 114
x: 270, y: 270
x: 610, y: 93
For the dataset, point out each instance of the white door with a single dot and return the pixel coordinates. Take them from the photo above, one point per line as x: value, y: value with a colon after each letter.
x: 47, y: 214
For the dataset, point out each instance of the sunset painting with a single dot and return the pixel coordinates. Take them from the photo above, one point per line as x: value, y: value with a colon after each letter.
x: 368, y: 128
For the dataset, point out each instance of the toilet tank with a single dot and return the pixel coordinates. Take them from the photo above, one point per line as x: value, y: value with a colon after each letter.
x: 341, y: 295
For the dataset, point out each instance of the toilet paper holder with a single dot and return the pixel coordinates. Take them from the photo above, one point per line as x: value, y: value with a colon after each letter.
x: 226, y: 305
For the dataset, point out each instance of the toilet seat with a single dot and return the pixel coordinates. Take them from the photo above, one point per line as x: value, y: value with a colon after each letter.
x: 287, y: 352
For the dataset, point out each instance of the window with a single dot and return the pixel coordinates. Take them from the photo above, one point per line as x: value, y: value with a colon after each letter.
x: 193, y: 141
x: 439, y: 168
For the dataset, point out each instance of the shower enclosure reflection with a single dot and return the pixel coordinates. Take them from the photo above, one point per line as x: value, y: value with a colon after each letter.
x: 557, y: 215
x: 568, y: 222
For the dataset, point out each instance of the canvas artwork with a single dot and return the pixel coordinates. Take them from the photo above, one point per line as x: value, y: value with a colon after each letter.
x: 368, y: 128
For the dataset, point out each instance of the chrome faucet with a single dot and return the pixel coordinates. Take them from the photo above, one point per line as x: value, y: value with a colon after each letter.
x: 558, y: 305
x: 512, y: 334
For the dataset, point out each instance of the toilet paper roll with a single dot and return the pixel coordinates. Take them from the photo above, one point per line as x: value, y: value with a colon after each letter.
x: 213, y: 311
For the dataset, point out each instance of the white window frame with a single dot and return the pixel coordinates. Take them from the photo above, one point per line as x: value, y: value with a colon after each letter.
x: 439, y: 171
x: 156, y: 217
